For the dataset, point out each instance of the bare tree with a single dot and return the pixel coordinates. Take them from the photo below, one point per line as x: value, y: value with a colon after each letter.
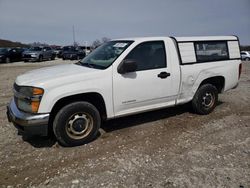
x: 105, y: 39
x: 96, y: 43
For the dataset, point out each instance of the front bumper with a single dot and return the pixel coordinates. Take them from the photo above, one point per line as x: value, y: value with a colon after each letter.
x: 70, y: 56
x: 28, y: 57
x: 33, y: 124
x: 2, y: 59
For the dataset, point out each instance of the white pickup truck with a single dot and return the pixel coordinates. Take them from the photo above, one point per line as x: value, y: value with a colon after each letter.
x: 123, y: 77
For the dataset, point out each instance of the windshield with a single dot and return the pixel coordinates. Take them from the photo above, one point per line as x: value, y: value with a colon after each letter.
x: 35, y: 49
x: 69, y: 48
x: 106, y: 54
x: 3, y: 50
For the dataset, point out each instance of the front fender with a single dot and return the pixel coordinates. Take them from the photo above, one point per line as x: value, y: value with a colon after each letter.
x: 50, y: 98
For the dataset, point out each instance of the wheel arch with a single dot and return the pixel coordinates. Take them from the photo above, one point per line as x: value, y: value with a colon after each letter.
x: 217, y: 81
x: 94, y: 98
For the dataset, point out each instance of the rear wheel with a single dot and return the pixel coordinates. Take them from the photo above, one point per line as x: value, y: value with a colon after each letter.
x: 247, y: 59
x: 205, y: 99
x: 76, y: 124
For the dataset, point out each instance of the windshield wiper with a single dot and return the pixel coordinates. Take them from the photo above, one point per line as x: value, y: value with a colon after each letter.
x: 90, y: 65
x: 96, y: 66
x: 83, y: 64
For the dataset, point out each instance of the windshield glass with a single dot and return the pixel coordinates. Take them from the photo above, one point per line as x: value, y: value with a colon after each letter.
x: 3, y: 50
x: 35, y: 49
x: 106, y: 54
x: 69, y: 48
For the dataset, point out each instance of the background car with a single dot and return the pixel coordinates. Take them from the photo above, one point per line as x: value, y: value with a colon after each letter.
x: 86, y: 49
x: 8, y: 55
x: 245, y: 55
x: 58, y: 51
x: 39, y: 54
x: 72, y: 53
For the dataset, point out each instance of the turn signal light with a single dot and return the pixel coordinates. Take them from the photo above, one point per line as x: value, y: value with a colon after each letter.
x: 37, y: 91
x: 35, y: 106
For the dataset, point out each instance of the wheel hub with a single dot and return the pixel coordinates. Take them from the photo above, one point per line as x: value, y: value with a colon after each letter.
x: 208, y: 100
x: 79, y: 125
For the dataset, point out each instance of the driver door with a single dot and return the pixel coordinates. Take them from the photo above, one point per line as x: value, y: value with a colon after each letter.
x: 149, y: 87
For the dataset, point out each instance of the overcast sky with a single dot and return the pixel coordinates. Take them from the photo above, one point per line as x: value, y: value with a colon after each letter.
x: 51, y: 21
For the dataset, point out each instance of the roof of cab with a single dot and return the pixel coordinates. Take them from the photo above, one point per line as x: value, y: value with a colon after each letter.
x: 142, y: 38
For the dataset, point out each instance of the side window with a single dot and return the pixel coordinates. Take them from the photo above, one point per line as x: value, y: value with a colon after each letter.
x: 211, y: 51
x: 148, y: 55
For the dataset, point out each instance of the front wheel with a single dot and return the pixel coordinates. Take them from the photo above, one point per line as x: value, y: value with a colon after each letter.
x: 40, y: 59
x: 205, y: 99
x: 7, y: 60
x: 247, y: 59
x: 53, y: 57
x: 76, y: 124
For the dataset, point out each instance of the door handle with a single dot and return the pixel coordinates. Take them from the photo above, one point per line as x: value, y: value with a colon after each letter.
x: 163, y: 75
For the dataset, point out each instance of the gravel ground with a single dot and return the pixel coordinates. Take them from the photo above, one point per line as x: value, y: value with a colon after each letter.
x: 165, y: 148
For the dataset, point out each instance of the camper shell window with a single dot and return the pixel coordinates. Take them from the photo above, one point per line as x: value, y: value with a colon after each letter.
x: 211, y: 51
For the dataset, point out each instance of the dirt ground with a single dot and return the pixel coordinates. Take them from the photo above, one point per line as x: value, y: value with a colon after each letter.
x: 165, y: 148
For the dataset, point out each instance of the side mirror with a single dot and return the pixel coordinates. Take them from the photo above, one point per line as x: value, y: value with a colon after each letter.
x: 127, y: 66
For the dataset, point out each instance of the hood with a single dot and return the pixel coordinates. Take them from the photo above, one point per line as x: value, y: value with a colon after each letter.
x: 44, y: 76
x: 31, y: 52
x: 3, y: 53
x: 70, y: 52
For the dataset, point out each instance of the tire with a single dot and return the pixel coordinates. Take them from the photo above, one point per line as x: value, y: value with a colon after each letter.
x: 247, y: 59
x: 40, y: 59
x: 205, y: 99
x: 53, y: 57
x: 7, y: 60
x: 68, y: 124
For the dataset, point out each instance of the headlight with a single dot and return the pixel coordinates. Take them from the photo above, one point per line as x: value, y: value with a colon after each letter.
x: 33, y: 55
x: 28, y: 98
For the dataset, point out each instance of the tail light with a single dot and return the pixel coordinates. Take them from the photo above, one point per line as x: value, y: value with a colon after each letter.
x: 240, y: 70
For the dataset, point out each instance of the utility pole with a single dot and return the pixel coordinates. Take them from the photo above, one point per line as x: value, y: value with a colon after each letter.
x: 86, y: 43
x: 74, y: 41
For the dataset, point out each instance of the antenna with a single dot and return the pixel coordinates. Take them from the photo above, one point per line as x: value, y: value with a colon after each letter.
x: 74, y: 41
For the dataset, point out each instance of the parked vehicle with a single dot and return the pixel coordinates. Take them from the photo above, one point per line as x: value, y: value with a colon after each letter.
x: 57, y: 50
x: 39, y: 54
x: 120, y: 78
x: 72, y: 53
x: 8, y: 55
x: 245, y: 55
x: 86, y: 49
